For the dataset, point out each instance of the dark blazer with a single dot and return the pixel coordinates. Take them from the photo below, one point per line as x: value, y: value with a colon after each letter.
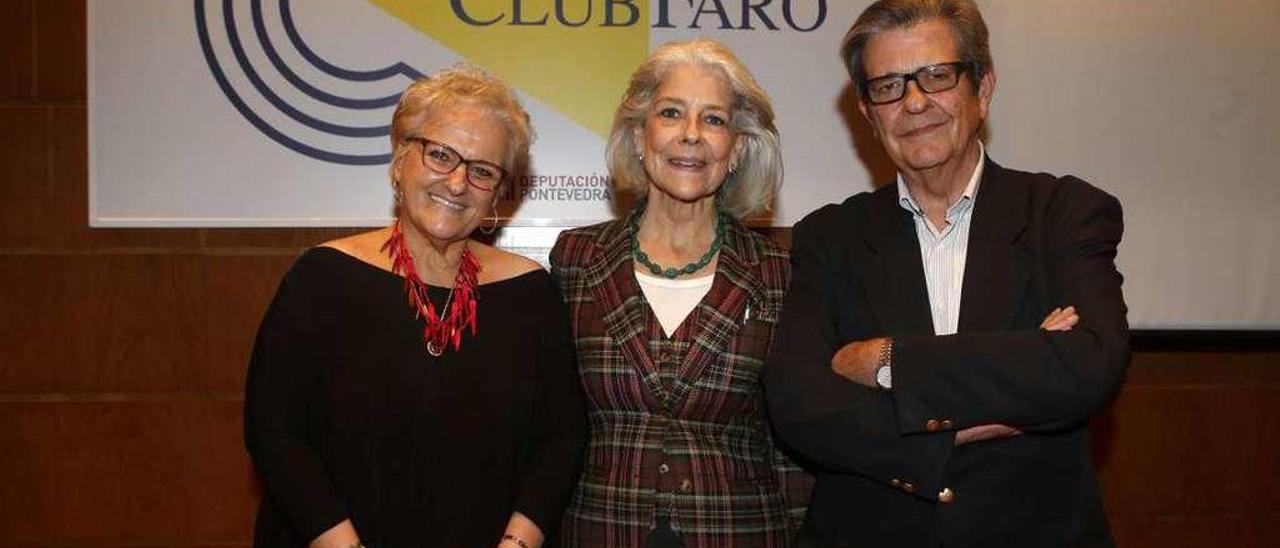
x: 677, y: 424
x: 1036, y: 242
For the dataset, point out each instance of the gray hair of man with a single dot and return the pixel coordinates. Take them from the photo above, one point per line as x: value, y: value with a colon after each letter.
x: 750, y: 188
x: 463, y: 84
x: 962, y: 16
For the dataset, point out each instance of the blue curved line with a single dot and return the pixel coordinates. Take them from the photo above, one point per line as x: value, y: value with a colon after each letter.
x: 206, y: 47
x: 345, y: 102
x: 286, y: 16
x: 233, y: 37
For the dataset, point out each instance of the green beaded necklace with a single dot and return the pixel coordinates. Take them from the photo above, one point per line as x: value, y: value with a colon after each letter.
x: 671, y: 272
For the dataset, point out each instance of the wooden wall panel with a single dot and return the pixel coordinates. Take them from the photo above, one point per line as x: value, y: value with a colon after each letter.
x: 137, y: 472
x: 17, y: 54
x: 241, y: 287
x: 1199, y: 531
x: 60, y: 50
x: 104, y: 323
x: 1187, y: 453
x: 24, y: 132
x: 133, y: 323
x: 1191, y: 369
x: 1194, y: 451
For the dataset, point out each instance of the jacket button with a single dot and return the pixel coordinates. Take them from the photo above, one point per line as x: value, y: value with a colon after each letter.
x: 686, y: 485
x: 896, y: 482
x: 663, y: 468
x: 946, y: 424
x: 946, y: 495
x: 931, y: 425
x: 908, y: 487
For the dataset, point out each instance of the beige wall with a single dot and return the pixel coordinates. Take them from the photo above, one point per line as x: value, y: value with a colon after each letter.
x: 122, y: 354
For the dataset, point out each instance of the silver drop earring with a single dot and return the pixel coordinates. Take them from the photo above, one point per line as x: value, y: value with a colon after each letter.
x: 493, y: 225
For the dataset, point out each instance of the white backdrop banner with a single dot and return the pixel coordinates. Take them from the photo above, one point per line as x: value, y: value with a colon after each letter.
x: 276, y: 113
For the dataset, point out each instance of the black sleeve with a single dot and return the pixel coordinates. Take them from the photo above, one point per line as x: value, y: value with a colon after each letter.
x: 558, y: 439
x: 1032, y: 379
x: 834, y: 422
x: 281, y: 384
x: 556, y: 258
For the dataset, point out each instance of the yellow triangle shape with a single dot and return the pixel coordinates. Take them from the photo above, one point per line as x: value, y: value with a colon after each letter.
x: 580, y: 71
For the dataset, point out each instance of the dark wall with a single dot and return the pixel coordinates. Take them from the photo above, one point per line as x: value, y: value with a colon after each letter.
x: 122, y: 355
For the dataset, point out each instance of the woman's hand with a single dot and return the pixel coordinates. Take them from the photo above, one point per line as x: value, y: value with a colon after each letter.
x: 521, y: 532
x: 342, y: 535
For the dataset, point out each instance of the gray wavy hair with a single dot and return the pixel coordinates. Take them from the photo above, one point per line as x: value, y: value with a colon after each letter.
x: 752, y: 186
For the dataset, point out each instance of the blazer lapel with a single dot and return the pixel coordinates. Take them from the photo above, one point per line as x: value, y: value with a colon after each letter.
x: 995, y: 271
x: 721, y: 313
x: 895, y: 285
x: 613, y: 281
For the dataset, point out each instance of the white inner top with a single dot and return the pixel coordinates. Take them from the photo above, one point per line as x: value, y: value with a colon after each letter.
x: 673, y: 300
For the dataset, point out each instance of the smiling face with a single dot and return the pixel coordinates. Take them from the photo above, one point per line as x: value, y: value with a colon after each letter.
x: 444, y: 207
x: 687, y: 140
x: 925, y: 131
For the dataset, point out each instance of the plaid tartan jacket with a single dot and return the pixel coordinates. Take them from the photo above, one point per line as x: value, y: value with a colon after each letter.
x: 678, y: 425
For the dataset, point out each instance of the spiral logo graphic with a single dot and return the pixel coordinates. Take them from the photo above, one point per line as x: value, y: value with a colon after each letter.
x: 266, y: 69
x: 319, y: 120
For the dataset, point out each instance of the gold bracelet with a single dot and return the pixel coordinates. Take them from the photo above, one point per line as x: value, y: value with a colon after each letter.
x: 519, y: 541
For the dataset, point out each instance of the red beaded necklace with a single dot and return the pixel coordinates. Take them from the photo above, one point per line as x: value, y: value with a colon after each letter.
x: 459, y: 308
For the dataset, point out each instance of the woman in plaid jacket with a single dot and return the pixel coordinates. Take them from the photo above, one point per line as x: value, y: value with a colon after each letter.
x: 673, y: 311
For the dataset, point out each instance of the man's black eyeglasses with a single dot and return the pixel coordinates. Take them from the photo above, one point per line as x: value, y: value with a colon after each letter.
x: 892, y: 88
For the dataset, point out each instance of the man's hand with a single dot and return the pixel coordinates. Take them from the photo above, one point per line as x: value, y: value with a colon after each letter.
x: 1059, y: 319
x: 857, y: 360
x: 984, y: 432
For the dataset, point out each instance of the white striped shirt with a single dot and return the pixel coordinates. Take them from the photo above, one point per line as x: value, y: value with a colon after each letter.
x: 943, y: 252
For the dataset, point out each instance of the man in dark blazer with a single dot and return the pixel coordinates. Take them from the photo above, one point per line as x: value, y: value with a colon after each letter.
x: 947, y: 337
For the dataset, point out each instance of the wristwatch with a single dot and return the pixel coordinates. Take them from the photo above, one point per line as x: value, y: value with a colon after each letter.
x: 884, y: 377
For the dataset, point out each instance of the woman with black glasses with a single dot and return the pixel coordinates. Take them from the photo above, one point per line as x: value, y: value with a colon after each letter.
x: 410, y: 386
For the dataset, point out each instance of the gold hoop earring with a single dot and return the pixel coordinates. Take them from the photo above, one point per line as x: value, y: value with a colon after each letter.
x: 493, y: 225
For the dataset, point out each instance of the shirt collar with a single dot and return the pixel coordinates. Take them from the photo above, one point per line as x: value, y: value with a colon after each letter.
x: 966, y: 200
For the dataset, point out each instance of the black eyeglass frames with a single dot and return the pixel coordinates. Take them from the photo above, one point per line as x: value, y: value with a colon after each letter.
x: 892, y: 88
